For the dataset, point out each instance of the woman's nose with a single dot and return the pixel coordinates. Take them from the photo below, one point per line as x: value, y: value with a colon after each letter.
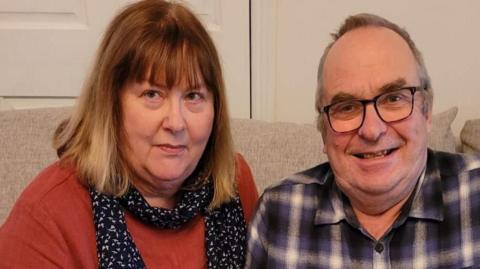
x: 174, y: 118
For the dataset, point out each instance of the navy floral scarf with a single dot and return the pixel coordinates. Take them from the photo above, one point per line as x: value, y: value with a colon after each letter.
x: 225, y: 228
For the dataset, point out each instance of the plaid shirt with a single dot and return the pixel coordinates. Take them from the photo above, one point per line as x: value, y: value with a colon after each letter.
x: 305, y: 222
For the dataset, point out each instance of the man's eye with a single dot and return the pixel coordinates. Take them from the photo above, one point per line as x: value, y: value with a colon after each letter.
x: 347, y: 107
x: 393, y: 98
x: 396, y: 98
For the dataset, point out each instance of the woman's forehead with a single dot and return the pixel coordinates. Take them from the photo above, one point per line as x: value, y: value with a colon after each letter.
x: 174, y: 76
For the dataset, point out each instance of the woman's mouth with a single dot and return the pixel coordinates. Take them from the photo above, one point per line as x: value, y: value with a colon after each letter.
x: 172, y: 149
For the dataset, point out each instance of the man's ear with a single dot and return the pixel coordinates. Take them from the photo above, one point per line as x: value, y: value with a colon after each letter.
x: 321, y: 126
x: 427, y: 112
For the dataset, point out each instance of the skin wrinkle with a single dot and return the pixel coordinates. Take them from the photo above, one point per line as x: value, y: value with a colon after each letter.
x: 157, y: 119
x: 388, y: 87
x: 363, y: 63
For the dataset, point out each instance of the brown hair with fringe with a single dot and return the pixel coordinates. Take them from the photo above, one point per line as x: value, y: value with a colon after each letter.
x: 162, y: 40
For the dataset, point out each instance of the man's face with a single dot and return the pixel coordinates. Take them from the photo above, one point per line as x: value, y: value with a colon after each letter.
x: 379, y: 159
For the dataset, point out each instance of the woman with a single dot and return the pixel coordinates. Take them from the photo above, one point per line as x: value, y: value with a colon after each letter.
x: 147, y: 176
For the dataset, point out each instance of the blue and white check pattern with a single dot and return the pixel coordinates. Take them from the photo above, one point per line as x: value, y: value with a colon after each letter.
x: 305, y: 222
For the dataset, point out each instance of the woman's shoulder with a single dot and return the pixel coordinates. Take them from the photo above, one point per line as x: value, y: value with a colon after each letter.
x: 242, y: 168
x: 243, y: 174
x: 247, y: 189
x: 55, y: 193
x: 50, y: 224
x: 56, y: 182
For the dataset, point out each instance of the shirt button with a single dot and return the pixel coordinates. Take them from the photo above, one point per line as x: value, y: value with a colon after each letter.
x: 379, y: 247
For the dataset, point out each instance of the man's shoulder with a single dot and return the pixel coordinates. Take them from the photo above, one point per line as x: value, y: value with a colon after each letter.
x: 454, y: 174
x: 311, y: 178
x: 305, y: 192
x: 451, y: 164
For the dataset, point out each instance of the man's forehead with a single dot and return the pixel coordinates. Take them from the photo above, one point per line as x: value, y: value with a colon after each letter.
x: 367, y: 39
x: 364, y: 60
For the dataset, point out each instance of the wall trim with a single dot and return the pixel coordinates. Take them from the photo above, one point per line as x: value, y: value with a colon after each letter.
x: 263, y: 49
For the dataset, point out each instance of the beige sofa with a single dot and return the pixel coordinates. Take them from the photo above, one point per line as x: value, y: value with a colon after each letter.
x: 273, y: 150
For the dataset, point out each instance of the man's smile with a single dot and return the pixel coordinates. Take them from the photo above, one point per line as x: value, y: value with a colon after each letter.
x: 374, y: 154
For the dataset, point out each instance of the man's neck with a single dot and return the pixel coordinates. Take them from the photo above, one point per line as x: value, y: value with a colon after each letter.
x: 378, y: 224
x: 377, y: 214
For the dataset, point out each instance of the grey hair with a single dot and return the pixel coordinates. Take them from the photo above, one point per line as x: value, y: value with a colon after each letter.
x: 370, y: 20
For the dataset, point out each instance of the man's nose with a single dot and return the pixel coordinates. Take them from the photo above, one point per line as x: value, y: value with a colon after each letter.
x: 373, y: 126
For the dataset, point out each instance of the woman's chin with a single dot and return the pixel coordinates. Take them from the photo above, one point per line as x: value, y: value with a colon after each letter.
x: 168, y: 177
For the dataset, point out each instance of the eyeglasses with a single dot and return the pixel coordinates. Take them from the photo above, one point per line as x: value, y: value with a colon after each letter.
x: 392, y: 106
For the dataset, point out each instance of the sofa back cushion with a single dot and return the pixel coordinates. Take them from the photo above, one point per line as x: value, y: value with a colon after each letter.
x: 25, y: 149
x: 273, y: 150
x: 441, y: 137
x: 276, y: 150
x: 470, y: 136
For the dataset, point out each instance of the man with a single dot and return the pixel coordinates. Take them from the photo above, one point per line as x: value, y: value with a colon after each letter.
x: 383, y: 200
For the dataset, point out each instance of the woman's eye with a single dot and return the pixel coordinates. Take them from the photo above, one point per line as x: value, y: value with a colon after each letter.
x: 151, y: 94
x: 194, y: 96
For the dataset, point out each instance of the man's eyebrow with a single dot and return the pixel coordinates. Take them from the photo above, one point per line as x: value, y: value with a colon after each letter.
x: 387, y: 87
x: 342, y: 96
x: 392, y: 86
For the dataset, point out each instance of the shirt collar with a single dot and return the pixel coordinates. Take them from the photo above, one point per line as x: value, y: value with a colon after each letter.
x: 427, y: 201
x: 330, y: 208
x: 329, y: 203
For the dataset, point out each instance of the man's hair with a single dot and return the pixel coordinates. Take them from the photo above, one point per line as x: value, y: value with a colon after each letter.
x: 369, y: 20
x: 160, y: 40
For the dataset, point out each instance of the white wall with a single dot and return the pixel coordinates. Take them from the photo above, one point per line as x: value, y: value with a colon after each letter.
x: 288, y: 37
x: 46, y: 48
x: 447, y: 32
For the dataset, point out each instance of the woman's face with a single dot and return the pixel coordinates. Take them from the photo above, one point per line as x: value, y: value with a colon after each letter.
x: 166, y: 130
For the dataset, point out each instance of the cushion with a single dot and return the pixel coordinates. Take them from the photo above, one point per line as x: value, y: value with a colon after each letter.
x: 4, y: 105
x: 26, y: 148
x: 470, y: 136
x: 276, y: 150
x: 441, y: 137
x: 273, y: 150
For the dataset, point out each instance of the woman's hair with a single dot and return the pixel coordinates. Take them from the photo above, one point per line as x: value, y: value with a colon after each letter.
x: 363, y: 20
x: 160, y: 40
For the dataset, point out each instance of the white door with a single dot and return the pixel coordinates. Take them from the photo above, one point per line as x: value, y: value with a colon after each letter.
x: 228, y: 23
x: 47, y: 47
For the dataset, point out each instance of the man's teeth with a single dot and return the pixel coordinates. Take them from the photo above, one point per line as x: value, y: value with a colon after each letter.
x: 372, y: 155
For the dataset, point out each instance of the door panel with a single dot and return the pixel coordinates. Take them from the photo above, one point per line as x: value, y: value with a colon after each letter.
x: 48, y: 45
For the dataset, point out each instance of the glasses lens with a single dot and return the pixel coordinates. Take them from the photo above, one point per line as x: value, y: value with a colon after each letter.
x: 346, y: 116
x: 396, y: 105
